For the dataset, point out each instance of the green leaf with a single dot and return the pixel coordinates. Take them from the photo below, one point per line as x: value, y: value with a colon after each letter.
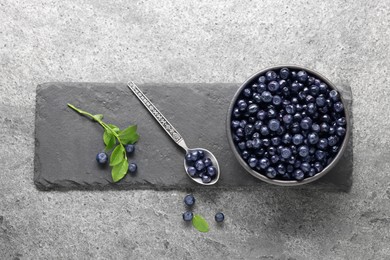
x: 200, y: 223
x: 119, y: 171
x: 129, y: 135
x: 98, y: 117
x: 109, y: 140
x: 118, y: 155
x: 114, y: 127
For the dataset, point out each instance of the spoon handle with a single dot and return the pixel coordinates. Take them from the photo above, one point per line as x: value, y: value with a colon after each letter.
x: 169, y: 129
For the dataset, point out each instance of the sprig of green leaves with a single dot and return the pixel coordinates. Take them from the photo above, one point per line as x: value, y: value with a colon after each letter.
x: 115, y: 139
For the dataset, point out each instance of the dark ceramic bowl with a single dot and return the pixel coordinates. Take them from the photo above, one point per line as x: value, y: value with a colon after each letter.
x: 281, y: 182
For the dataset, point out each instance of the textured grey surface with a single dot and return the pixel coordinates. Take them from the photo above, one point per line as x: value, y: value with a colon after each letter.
x: 197, y: 111
x: 193, y: 41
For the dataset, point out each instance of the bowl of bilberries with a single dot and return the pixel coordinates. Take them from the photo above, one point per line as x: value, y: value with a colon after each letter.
x: 288, y: 125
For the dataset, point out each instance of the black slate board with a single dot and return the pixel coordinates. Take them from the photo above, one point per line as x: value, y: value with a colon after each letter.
x: 66, y: 143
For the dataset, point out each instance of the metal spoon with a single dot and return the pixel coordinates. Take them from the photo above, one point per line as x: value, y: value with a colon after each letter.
x: 174, y: 134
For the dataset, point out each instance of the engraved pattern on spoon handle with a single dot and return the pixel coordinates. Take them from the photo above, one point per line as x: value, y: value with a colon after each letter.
x: 171, y: 131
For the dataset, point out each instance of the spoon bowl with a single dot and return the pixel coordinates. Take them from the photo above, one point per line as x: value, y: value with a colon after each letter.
x: 207, y: 154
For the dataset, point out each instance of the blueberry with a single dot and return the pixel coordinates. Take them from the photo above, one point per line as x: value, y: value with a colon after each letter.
x: 236, y: 112
x: 284, y: 73
x: 245, y: 154
x: 191, y: 171
x: 281, y: 169
x: 189, y: 200
x: 340, y: 131
x: 324, y: 127
x: 132, y: 167
x: 102, y: 158
x: 239, y: 133
x: 188, y: 157
x: 295, y: 128
x: 286, y: 153
x: 323, y: 88
x: 206, y: 179
x: 276, y: 100
x: 235, y: 124
x: 253, y: 108
x: 286, y: 91
x: 263, y: 163
x: 287, y: 119
x: 302, y: 76
x: 199, y: 165
x: 271, y: 75
x: 195, y: 154
x: 338, y: 107
x: 129, y: 148
x: 273, y: 86
x: 303, y: 151
x: 211, y: 171
x: 187, y: 216
x: 219, y: 217
x: 242, y: 105
x: 264, y: 130
x: 305, y: 167
x: 266, y: 97
x: 306, y: 123
x: 249, y: 144
x: 200, y: 154
x: 252, y: 162
x: 249, y: 129
x: 311, y: 172
x: 320, y: 101
x: 334, y: 95
x: 298, y: 175
x: 311, y: 108
x: 290, y: 109
x: 291, y: 160
x: 315, y: 127
x: 271, y: 172
x: 335, y: 149
x: 207, y: 162
x: 297, y: 164
x: 243, y: 123
x: 261, y: 115
x: 318, y: 167
x: 322, y: 143
x: 326, y: 118
x: 258, y: 124
x: 281, y: 131
x: 256, y: 143
x: 297, y: 139
x: 261, y: 79
x: 247, y: 92
x: 273, y: 124
x: 310, y: 99
x: 266, y: 142
x: 297, y: 117
x: 276, y: 141
x: 261, y: 87
x: 295, y: 86
x: 320, y: 155
x: 312, y: 138
x: 286, y: 138
x: 314, y: 90
x: 274, y: 159
x: 256, y: 97
x: 333, y: 140
x: 341, y: 121
x: 290, y: 168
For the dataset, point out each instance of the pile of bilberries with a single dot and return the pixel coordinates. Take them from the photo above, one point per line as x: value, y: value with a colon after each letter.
x: 198, y: 166
x: 288, y: 124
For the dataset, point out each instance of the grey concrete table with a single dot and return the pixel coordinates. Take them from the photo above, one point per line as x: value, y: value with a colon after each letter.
x: 182, y: 41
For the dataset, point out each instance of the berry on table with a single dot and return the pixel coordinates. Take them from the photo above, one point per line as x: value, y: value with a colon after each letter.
x: 102, y: 158
x: 129, y: 148
x: 187, y: 216
x: 132, y: 167
x: 219, y: 217
x: 189, y: 200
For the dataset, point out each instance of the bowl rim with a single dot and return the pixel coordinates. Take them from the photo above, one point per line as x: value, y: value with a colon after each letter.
x: 288, y: 182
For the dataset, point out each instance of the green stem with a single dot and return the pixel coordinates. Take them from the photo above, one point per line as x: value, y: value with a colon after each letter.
x: 104, y: 125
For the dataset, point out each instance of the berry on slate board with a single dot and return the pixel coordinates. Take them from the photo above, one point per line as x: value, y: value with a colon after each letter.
x: 102, y: 158
x: 129, y: 148
x: 132, y: 167
x: 288, y: 124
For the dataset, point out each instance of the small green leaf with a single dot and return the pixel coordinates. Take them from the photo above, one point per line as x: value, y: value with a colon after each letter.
x: 200, y: 223
x: 129, y: 135
x: 119, y: 171
x: 109, y: 140
x: 114, y: 127
x: 118, y: 155
x: 98, y: 117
